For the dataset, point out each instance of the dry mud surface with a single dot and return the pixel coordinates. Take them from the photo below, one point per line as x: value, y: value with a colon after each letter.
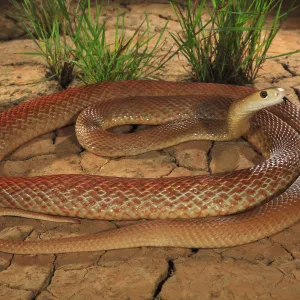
x: 267, y: 269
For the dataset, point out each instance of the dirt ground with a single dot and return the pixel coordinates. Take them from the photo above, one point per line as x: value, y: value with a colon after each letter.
x: 267, y: 269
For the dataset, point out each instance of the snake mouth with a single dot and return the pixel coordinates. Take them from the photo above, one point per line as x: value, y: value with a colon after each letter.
x: 285, y: 99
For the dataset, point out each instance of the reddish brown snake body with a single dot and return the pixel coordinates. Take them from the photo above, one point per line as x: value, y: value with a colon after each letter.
x: 189, y: 197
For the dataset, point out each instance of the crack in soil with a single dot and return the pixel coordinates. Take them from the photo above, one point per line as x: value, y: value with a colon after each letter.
x: 249, y: 261
x: 17, y: 288
x: 193, y: 251
x: 96, y: 263
x: 114, y: 223
x: 14, y: 20
x: 282, y: 278
x: 284, y: 247
x: 9, y: 263
x: 209, y: 157
x: 85, y: 170
x: 48, y: 281
x: 297, y: 92
x: 172, y: 156
x: 288, y: 251
x: 168, y: 173
x: 268, y: 263
x: 8, y: 104
x: 29, y: 157
x: 45, y: 231
x: 23, y: 63
x: 55, y: 135
x: 24, y: 84
x: 251, y: 146
x: 168, y: 18
x: 29, y: 234
x: 170, y: 273
x: 287, y: 68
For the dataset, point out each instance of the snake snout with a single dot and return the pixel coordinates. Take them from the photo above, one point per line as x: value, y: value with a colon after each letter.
x: 281, y: 91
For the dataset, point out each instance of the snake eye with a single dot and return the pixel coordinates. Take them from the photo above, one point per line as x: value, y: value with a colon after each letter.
x: 264, y: 94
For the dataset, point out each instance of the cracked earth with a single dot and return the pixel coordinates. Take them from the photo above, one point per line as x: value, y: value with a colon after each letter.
x: 267, y: 269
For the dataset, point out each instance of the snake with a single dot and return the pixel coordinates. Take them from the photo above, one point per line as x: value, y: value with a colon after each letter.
x: 202, y: 211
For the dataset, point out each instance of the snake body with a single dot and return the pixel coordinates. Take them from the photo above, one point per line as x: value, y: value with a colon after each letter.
x: 96, y: 197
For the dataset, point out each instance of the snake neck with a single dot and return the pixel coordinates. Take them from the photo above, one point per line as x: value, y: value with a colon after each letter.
x: 238, y: 119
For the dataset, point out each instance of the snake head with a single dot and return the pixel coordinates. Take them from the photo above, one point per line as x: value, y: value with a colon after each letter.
x: 272, y: 96
x: 264, y: 98
x: 241, y: 111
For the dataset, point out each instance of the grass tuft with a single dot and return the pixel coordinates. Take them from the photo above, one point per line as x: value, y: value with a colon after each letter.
x: 123, y: 58
x: 45, y: 25
x: 229, y: 47
x: 89, y: 50
x: 232, y: 44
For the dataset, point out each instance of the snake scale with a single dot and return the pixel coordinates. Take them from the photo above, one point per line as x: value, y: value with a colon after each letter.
x: 188, y: 111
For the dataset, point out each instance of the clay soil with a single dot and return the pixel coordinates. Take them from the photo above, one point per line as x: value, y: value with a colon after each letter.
x: 267, y: 269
